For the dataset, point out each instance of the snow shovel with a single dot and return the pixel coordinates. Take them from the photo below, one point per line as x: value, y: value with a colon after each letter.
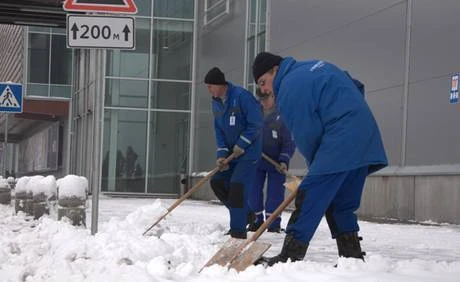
x: 189, y: 192
x: 240, y: 253
x: 278, y: 167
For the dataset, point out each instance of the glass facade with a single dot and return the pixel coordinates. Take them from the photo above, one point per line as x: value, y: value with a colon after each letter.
x: 257, y: 31
x: 147, y: 102
x: 49, y: 63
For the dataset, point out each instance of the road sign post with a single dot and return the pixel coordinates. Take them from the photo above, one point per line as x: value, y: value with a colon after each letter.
x: 108, y: 32
x: 10, y: 102
x: 10, y: 97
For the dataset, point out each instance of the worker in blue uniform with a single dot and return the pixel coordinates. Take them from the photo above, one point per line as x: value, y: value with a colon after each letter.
x: 238, y: 125
x: 336, y: 132
x: 279, y: 146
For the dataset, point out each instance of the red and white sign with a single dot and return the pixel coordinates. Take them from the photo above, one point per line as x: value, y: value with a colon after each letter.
x: 104, y: 6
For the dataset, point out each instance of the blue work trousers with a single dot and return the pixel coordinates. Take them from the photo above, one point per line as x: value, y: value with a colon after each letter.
x: 274, y: 195
x: 336, y: 195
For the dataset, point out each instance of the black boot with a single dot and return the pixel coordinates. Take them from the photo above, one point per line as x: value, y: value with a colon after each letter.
x: 349, y: 246
x: 254, y: 226
x: 238, y: 235
x: 252, y: 218
x: 292, y: 249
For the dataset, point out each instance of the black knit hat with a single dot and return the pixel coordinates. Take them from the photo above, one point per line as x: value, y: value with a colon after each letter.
x: 215, y: 76
x: 263, y: 62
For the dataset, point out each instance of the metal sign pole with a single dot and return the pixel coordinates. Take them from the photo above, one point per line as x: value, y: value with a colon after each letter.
x: 5, y: 144
x: 97, y: 123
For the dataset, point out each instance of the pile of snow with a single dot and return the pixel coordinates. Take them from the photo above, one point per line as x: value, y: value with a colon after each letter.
x: 72, y: 186
x: 21, y: 185
x: 50, y: 250
x: 37, y: 184
x: 45, y: 185
x: 4, y: 183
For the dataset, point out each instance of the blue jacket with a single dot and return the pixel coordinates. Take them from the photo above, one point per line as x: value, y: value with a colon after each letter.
x: 238, y: 120
x: 332, y: 125
x: 277, y: 141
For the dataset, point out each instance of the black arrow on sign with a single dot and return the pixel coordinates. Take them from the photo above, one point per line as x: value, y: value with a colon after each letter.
x: 126, y: 31
x: 75, y: 30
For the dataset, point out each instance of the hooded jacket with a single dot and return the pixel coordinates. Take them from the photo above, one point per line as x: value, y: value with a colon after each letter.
x: 332, y: 125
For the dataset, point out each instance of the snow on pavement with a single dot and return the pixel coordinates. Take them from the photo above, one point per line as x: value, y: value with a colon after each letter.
x: 51, y: 250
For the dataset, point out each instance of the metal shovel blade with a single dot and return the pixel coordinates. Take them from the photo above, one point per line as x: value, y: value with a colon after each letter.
x: 249, y: 256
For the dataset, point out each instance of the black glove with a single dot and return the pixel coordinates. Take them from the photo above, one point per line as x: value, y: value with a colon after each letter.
x: 220, y: 162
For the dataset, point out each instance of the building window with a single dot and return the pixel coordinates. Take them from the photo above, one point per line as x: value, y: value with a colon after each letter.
x: 49, y: 63
x: 215, y: 10
x: 147, y: 107
x: 172, y: 49
x: 179, y: 9
x: 256, y: 25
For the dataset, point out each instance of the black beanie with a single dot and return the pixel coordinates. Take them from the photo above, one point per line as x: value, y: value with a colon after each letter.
x: 263, y: 62
x: 215, y: 76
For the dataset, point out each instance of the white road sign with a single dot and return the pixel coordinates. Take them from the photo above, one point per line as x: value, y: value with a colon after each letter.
x: 111, y: 32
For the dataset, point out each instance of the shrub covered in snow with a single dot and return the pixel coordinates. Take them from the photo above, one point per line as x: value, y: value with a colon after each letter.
x: 72, y: 186
x: 46, y: 185
x: 4, y: 184
x: 21, y: 184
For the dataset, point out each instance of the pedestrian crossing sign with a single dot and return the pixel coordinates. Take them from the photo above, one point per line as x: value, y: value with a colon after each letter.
x: 10, y: 97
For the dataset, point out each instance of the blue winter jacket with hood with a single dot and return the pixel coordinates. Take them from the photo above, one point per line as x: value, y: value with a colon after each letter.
x: 332, y: 125
x: 238, y: 120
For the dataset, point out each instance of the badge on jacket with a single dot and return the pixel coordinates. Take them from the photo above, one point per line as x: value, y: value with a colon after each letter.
x: 274, y: 134
x: 232, y: 120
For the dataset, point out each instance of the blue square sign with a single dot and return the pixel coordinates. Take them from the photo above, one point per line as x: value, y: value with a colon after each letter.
x: 10, y: 97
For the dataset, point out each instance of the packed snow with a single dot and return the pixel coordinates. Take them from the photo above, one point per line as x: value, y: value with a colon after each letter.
x: 177, y: 248
x: 73, y: 186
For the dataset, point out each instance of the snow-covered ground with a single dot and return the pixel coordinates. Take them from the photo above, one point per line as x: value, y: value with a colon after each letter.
x: 51, y: 250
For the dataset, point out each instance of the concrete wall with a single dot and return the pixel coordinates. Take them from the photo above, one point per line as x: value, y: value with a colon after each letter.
x: 412, y: 198
x: 408, y: 198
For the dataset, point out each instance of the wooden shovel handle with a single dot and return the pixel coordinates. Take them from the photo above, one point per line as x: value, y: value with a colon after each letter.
x: 189, y: 192
x: 274, y: 215
x: 277, y: 166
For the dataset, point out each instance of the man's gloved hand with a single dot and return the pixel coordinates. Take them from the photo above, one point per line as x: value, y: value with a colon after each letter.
x: 237, y: 151
x: 282, y: 168
x: 220, y: 162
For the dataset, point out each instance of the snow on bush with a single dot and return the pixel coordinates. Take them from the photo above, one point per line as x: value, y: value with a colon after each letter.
x: 21, y: 185
x: 46, y: 185
x: 34, y: 183
x: 72, y: 186
x: 4, y: 184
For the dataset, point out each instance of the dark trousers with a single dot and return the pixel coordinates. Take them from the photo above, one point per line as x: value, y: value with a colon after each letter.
x: 233, y: 187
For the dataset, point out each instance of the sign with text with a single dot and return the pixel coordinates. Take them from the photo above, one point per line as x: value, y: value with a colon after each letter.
x: 110, y: 32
